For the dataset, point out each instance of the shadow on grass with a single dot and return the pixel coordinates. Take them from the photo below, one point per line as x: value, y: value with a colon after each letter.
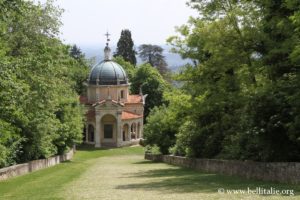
x: 145, y: 162
x: 90, y: 147
x: 183, y: 180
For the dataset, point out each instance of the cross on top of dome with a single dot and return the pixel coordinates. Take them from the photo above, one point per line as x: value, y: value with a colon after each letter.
x: 107, y: 38
x: 107, y: 49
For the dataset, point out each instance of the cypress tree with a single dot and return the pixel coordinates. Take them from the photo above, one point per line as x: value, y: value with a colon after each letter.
x: 125, y: 47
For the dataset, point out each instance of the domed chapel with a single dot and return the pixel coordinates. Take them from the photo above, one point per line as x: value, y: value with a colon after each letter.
x: 114, y: 117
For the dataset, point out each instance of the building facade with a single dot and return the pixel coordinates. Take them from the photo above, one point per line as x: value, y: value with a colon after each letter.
x: 114, y: 117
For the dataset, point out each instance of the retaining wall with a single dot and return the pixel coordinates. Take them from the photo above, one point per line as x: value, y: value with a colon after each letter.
x: 284, y: 172
x: 20, y: 169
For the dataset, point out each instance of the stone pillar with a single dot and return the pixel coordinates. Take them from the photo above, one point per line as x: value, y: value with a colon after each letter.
x: 119, y: 129
x: 141, y: 128
x: 98, y: 130
x: 129, y: 131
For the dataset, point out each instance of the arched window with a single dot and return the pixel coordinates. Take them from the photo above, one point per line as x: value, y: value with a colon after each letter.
x: 122, y: 94
x: 91, y: 133
x: 84, y: 134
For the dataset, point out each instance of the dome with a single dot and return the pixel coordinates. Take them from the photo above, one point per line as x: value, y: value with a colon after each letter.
x: 107, y: 72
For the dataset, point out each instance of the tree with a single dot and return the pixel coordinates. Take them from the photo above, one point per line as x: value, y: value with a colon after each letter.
x: 125, y: 47
x: 244, y: 86
x: 80, y: 69
x: 153, y: 54
x: 164, y: 121
x: 152, y: 83
x: 40, y: 113
x: 76, y: 53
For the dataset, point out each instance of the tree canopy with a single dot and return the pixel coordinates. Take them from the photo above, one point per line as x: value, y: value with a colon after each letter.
x: 244, y: 86
x: 125, y: 47
x: 153, y: 54
x: 40, y: 114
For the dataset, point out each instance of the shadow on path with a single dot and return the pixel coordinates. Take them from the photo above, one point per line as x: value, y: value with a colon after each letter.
x: 183, y: 180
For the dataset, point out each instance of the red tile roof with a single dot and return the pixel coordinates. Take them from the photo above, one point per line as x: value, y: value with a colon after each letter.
x: 134, y: 99
x: 90, y: 114
x: 129, y: 115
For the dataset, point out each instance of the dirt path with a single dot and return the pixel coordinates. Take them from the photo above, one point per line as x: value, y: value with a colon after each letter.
x: 131, y: 177
x: 120, y: 177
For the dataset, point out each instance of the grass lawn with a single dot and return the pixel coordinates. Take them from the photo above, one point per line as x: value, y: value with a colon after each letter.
x: 122, y: 173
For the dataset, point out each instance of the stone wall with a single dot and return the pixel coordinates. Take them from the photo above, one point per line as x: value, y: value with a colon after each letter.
x: 284, y: 172
x: 21, y: 169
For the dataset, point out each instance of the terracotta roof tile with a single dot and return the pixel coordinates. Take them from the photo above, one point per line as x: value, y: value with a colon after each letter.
x: 129, y: 115
x: 134, y: 99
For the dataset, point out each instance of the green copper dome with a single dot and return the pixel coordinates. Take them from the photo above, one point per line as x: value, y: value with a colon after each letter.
x: 107, y: 72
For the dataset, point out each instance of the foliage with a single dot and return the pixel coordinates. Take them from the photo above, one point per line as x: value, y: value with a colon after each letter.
x: 244, y: 84
x: 40, y: 114
x: 80, y: 69
x: 151, y: 83
x: 153, y: 54
x: 125, y: 47
x: 152, y: 149
x: 163, y: 122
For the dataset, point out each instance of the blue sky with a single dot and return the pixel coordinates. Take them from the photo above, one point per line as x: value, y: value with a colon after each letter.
x: 150, y: 21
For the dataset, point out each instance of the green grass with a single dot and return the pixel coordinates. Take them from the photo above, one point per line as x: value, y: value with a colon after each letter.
x: 47, y: 183
x: 122, y: 173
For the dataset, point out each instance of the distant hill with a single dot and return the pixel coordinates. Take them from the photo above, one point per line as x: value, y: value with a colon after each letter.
x: 174, y: 60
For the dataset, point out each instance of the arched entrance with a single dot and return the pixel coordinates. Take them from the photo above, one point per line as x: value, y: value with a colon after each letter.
x: 109, y: 130
x: 125, y: 131
x: 133, y: 131
x: 91, y: 133
x: 84, y: 134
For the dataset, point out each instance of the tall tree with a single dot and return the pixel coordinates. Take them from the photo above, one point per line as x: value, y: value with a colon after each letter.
x: 244, y: 86
x: 76, y: 52
x: 39, y: 111
x: 80, y: 72
x: 125, y: 47
x: 153, y: 54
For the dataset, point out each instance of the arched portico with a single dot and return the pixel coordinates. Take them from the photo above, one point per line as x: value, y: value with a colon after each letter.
x: 139, y: 130
x: 108, y: 132
x: 91, y: 133
x: 125, y: 131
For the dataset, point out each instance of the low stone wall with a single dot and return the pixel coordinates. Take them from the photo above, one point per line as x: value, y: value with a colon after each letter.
x: 283, y: 172
x: 17, y: 170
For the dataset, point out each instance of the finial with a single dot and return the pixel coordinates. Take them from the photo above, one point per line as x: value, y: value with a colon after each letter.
x: 107, y: 49
x: 107, y: 38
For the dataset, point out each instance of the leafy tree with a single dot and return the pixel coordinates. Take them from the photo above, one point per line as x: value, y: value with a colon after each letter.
x: 80, y: 69
x: 76, y: 52
x: 163, y: 122
x: 40, y: 114
x: 153, y: 54
x: 244, y: 85
x: 151, y: 82
x: 125, y: 47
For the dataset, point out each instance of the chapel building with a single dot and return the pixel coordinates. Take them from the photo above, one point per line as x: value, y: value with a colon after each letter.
x: 114, y: 117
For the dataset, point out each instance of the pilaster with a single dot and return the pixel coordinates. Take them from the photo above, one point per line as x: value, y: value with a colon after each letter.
x: 98, y: 130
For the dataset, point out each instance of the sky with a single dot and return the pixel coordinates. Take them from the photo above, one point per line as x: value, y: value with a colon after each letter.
x: 150, y: 21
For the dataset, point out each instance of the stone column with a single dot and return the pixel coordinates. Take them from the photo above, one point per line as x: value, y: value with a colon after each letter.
x: 119, y: 129
x: 98, y: 130
x: 141, y: 128
x: 129, y: 131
